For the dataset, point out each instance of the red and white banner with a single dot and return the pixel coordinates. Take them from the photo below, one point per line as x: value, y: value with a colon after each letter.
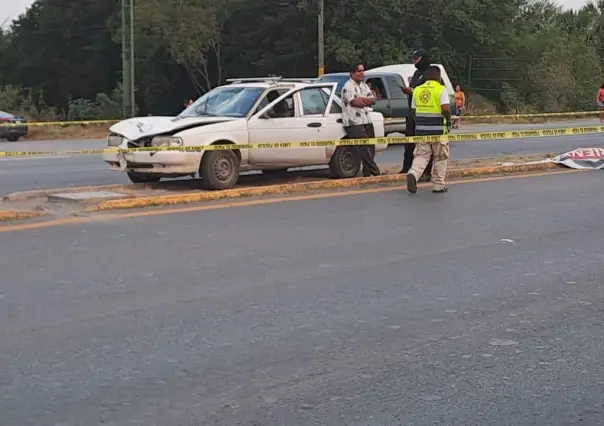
x: 582, y: 158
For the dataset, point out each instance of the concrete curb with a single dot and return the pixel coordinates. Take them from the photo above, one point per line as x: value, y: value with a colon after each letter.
x: 11, y: 215
x: 40, y: 193
x: 289, y: 188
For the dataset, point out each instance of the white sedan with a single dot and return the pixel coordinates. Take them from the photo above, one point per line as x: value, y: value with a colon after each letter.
x: 246, y: 111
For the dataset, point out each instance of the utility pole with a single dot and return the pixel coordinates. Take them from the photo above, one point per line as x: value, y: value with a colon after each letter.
x: 321, y: 37
x: 128, y: 58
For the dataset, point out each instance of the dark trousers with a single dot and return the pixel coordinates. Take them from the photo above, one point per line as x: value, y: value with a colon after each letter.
x: 410, y: 148
x: 366, y: 152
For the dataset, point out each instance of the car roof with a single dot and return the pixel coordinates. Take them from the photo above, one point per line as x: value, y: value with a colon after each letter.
x: 265, y: 83
x: 368, y: 72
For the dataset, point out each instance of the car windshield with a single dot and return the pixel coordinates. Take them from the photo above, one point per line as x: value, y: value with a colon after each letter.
x: 224, y: 101
x: 5, y: 115
x: 341, y: 79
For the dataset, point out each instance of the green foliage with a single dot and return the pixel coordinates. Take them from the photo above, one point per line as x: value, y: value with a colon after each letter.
x: 11, y: 98
x: 104, y: 107
x: 66, y: 53
x: 20, y: 101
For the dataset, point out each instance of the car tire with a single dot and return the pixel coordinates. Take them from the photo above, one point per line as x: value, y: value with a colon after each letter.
x: 142, y: 178
x: 219, y: 169
x: 345, y: 162
x: 12, y: 138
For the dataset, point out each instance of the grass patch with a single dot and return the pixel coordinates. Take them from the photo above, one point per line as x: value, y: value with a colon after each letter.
x: 71, y: 131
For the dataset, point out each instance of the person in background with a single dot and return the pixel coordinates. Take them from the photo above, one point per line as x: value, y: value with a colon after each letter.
x: 358, y: 98
x: 188, y: 102
x: 421, y: 62
x: 430, y: 106
x: 460, y: 105
x: 372, y: 89
x: 600, y: 102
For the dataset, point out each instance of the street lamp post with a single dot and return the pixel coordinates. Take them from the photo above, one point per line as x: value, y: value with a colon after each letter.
x: 321, y: 37
x: 320, y: 33
x: 128, y: 58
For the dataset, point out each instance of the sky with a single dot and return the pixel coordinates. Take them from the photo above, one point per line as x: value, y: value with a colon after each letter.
x: 11, y: 9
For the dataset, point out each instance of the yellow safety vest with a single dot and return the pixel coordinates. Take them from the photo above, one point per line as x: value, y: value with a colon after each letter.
x: 429, y: 119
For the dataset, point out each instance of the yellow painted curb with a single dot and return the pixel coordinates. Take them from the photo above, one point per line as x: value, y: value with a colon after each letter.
x: 10, y: 215
x: 288, y: 188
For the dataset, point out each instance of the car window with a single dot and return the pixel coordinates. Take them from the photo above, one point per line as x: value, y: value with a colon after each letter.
x: 268, y: 98
x: 314, y: 101
x: 284, y: 109
x: 335, y: 108
x: 394, y: 87
x: 377, y: 87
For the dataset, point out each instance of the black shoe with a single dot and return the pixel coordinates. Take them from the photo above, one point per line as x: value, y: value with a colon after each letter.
x: 425, y: 178
x: 440, y: 191
x: 411, y: 183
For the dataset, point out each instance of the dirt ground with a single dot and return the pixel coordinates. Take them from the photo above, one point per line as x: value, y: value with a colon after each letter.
x: 88, y: 131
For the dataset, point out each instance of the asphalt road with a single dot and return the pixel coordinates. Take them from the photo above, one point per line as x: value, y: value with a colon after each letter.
x: 21, y: 174
x: 482, y: 306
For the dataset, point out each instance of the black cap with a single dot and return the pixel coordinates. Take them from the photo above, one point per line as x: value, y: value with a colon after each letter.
x: 418, y: 53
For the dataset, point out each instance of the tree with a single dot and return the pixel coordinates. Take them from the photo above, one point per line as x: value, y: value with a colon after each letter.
x: 62, y: 50
x: 192, y: 32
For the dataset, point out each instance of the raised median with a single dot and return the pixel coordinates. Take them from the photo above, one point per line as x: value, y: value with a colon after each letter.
x: 57, y: 202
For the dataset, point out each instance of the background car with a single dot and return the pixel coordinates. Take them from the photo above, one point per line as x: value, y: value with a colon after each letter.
x: 271, y: 111
x: 12, y: 127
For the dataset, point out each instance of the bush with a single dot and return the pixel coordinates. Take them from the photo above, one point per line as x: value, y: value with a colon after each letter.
x: 479, y: 105
x: 15, y: 100
x: 104, y: 107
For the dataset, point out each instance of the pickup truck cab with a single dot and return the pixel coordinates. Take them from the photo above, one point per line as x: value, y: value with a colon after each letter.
x: 388, y: 82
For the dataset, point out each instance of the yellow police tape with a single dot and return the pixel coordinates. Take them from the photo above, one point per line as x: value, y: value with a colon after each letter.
x: 499, y: 116
x: 59, y: 123
x: 458, y: 137
x: 502, y: 116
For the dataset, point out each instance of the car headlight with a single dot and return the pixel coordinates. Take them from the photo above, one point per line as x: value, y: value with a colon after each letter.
x: 114, y: 140
x: 159, y: 141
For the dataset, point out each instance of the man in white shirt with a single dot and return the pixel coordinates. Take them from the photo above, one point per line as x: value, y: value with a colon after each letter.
x: 358, y: 99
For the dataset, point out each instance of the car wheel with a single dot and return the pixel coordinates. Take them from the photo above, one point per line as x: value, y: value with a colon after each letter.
x: 142, y: 178
x: 345, y: 162
x: 12, y: 138
x: 219, y: 169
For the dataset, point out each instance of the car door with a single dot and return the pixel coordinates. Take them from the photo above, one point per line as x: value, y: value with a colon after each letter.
x: 298, y: 116
x: 398, y: 100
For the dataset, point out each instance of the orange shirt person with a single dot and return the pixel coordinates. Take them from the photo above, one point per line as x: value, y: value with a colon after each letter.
x: 600, y: 102
x: 460, y: 105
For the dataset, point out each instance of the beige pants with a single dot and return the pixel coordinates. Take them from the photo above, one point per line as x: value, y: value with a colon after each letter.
x: 423, y: 152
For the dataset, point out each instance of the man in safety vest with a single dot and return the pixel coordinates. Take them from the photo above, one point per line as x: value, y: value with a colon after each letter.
x: 430, y: 107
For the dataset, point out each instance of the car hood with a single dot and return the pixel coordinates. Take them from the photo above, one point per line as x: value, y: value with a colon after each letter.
x: 140, y: 127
